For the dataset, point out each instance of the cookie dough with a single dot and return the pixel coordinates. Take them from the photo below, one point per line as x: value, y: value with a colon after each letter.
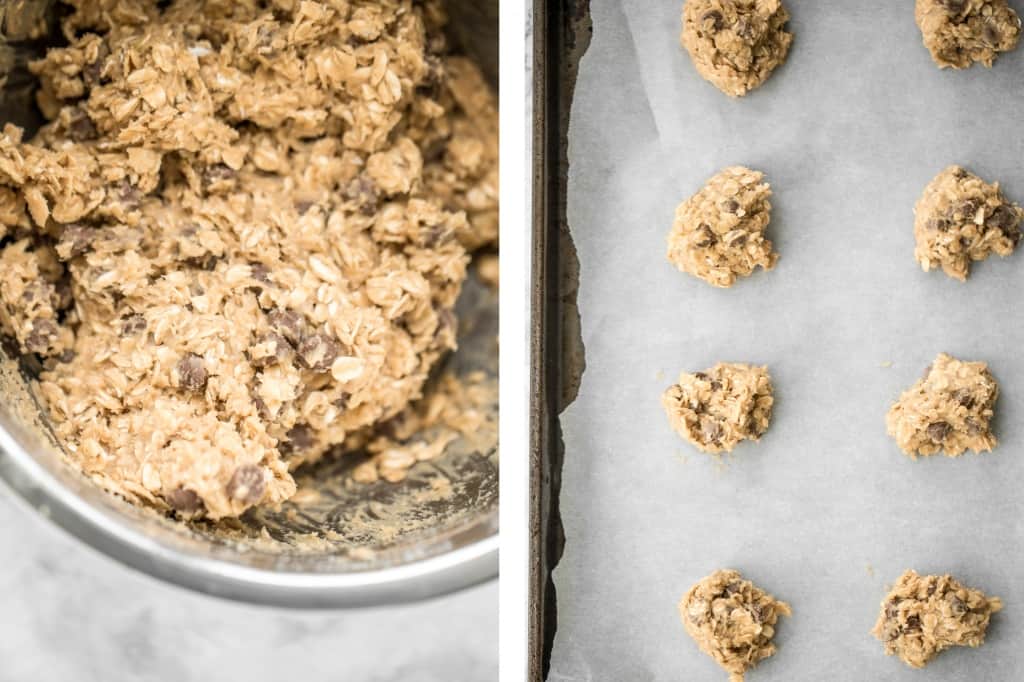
x: 732, y: 621
x: 719, y: 232
x: 719, y: 407
x: 239, y: 239
x: 959, y: 33
x: 924, y: 615
x: 948, y: 410
x: 736, y: 44
x: 960, y: 218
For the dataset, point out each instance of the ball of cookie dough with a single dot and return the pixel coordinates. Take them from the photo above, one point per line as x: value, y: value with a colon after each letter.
x: 959, y: 33
x: 960, y: 218
x: 948, y: 410
x: 735, y: 44
x: 719, y: 407
x: 719, y: 232
x: 924, y: 615
x: 732, y: 620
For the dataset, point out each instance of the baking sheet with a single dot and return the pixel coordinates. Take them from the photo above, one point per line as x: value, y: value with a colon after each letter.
x: 825, y: 512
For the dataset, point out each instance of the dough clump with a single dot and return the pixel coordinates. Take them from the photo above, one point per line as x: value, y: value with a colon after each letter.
x: 719, y: 232
x: 959, y: 219
x: 924, y: 615
x: 948, y: 410
x: 239, y: 239
x: 736, y: 44
x: 732, y: 621
x: 719, y: 407
x: 959, y: 33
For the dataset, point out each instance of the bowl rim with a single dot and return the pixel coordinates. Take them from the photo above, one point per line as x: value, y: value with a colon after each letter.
x: 110, y: 532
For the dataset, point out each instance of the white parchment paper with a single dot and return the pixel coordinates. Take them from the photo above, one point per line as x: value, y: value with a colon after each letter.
x: 825, y: 512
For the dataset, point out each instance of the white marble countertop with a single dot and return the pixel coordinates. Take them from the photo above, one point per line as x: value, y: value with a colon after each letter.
x: 69, y: 614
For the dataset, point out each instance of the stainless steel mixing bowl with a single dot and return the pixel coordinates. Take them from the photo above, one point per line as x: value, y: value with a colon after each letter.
x: 338, y: 544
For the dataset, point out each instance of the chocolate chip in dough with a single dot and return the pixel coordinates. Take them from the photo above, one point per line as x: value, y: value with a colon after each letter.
x: 192, y: 374
x: 42, y: 337
x: 247, y: 484
x: 938, y: 431
x: 317, y: 352
x: 278, y: 350
x: 290, y: 324
x: 185, y: 501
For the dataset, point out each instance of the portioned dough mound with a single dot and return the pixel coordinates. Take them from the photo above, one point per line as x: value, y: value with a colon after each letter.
x: 948, y: 410
x: 732, y: 620
x: 237, y: 242
x: 719, y: 232
x: 960, y: 218
x: 736, y: 44
x: 959, y: 33
x: 924, y: 615
x: 719, y: 407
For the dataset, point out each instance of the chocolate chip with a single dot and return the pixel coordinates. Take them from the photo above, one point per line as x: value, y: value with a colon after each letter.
x: 958, y: 606
x: 732, y: 588
x: 715, y: 17
x: 37, y: 291
x: 1004, y: 218
x: 967, y: 208
x: 701, y: 376
x: 940, y: 224
x: 913, y: 624
x: 129, y: 195
x: 932, y: 586
x: 42, y: 337
x: 756, y: 612
x: 192, y: 374
x: 247, y: 484
x: 218, y: 173
x: 278, y: 350
x: 739, y: 240
x: 730, y: 206
x: 80, y: 126
x: 710, y: 430
x: 185, y: 501
x: 707, y: 236
x: 290, y: 324
x: 745, y: 28
x: 363, y: 193
x: 317, y: 352
x: 92, y: 73
x: 991, y: 34
x: 716, y: 385
x: 341, y: 402
x: 954, y: 6
x: 133, y: 325
x: 973, y: 428
x: 67, y: 356
x: 963, y: 397
x: 75, y: 239
x: 891, y: 609
x: 302, y: 207
x: 435, y: 235
x: 938, y: 431
x: 260, y: 272
x: 298, y: 439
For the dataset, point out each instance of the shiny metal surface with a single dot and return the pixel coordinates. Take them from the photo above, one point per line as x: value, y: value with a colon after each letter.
x: 377, y: 544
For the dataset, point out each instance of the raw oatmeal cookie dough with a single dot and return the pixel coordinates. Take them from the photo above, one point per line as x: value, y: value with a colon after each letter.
x: 239, y: 239
x: 924, y: 615
x: 960, y: 218
x: 948, y: 410
x: 719, y: 407
x: 732, y: 621
x: 959, y: 33
x: 719, y: 232
x: 736, y: 44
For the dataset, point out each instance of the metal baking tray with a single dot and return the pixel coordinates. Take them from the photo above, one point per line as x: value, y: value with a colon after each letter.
x: 825, y: 512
